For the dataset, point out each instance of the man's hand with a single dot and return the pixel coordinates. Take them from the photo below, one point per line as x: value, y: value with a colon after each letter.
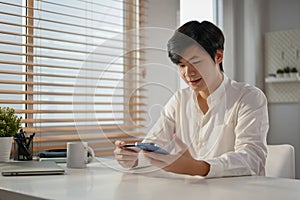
x: 127, y: 158
x: 181, y: 162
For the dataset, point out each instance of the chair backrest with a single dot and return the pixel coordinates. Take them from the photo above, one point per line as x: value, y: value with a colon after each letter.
x: 280, y: 161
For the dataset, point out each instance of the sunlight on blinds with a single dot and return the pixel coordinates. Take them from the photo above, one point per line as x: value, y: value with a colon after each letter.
x: 70, y: 68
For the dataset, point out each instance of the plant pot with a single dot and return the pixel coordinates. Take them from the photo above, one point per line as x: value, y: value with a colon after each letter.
x: 279, y: 75
x: 286, y: 75
x: 5, y: 148
x: 294, y: 74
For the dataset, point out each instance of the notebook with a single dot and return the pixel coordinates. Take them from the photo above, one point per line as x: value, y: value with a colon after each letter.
x: 30, y: 168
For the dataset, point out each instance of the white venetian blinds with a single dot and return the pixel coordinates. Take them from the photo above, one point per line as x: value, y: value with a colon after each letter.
x: 71, y: 69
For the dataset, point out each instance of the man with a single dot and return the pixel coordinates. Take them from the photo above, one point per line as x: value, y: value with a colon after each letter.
x: 215, y: 127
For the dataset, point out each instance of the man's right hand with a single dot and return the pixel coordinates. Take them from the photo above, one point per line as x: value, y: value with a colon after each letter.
x: 127, y: 158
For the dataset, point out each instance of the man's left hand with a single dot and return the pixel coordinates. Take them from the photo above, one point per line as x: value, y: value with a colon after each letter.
x: 181, y: 162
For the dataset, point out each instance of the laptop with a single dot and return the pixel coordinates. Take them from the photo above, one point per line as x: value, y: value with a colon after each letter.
x: 30, y: 168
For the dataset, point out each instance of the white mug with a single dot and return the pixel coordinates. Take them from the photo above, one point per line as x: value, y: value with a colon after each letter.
x: 77, y: 154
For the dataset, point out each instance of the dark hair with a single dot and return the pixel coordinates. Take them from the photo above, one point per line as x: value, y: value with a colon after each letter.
x: 209, y: 36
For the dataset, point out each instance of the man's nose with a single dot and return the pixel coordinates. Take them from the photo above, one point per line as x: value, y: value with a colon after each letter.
x: 190, y: 71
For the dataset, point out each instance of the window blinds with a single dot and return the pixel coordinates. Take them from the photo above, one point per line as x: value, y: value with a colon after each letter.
x: 71, y: 70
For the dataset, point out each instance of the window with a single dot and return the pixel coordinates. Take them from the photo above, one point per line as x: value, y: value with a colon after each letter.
x: 199, y: 10
x: 70, y: 69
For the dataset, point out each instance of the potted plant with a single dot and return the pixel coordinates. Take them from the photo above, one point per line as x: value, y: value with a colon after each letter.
x: 294, y: 72
x: 279, y: 73
x: 9, y: 126
x: 287, y: 71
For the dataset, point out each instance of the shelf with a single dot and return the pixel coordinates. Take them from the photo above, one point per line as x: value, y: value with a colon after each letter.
x: 281, y: 80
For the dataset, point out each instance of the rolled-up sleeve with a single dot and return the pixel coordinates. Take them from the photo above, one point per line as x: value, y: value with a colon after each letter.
x: 162, y: 131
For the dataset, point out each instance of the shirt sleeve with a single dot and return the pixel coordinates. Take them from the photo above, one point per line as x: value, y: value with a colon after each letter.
x: 250, y: 148
x: 162, y: 131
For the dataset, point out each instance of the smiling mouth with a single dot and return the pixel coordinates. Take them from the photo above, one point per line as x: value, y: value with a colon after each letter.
x: 195, y: 81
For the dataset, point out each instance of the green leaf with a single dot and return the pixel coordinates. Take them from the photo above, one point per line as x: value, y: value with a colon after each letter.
x: 9, y: 123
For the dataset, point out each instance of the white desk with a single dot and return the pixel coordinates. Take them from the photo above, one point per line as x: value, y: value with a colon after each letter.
x: 100, y: 182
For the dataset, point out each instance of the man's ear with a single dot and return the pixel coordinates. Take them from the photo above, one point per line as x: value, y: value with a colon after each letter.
x: 219, y: 56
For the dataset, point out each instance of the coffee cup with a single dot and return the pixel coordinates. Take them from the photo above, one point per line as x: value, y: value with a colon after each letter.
x: 77, y: 154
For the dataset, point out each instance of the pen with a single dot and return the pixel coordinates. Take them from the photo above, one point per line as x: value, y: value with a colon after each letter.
x: 22, y: 136
x: 23, y: 147
x: 30, y: 140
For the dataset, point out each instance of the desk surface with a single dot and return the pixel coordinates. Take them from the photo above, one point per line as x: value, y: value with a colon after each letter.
x: 98, y: 181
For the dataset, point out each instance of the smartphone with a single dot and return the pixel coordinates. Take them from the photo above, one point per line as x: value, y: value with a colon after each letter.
x: 147, y: 146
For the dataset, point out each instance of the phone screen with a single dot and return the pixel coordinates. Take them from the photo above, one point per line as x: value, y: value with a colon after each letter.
x: 132, y: 147
x: 147, y: 147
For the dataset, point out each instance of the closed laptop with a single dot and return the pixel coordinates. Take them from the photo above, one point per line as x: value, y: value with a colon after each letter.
x: 30, y: 168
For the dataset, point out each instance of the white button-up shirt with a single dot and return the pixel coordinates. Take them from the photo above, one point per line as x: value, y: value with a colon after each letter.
x: 231, y: 136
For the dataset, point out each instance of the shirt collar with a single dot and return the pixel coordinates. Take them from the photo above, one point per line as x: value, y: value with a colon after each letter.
x: 215, y: 97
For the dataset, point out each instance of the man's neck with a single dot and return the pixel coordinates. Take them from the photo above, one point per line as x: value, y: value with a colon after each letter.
x: 205, y: 93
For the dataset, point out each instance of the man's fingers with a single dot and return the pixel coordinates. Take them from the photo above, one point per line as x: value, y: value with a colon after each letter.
x: 122, y: 157
x: 163, y: 160
x: 162, y: 164
x: 119, y: 143
x: 127, y: 158
x: 122, y: 151
x: 127, y: 164
x: 155, y: 156
x: 155, y: 159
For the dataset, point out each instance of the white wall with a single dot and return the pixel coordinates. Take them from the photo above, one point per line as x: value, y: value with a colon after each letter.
x: 282, y: 15
x: 162, y: 79
x: 243, y: 26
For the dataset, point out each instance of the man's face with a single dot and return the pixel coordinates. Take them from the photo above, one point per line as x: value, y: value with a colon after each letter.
x: 197, y: 69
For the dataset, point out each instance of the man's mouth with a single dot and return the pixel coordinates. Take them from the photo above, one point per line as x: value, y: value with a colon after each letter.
x: 195, y: 81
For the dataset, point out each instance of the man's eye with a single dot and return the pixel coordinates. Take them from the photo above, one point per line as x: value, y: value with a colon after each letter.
x: 181, y: 66
x: 196, y: 62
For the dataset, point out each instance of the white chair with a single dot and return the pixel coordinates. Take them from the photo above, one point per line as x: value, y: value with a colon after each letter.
x: 280, y: 161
